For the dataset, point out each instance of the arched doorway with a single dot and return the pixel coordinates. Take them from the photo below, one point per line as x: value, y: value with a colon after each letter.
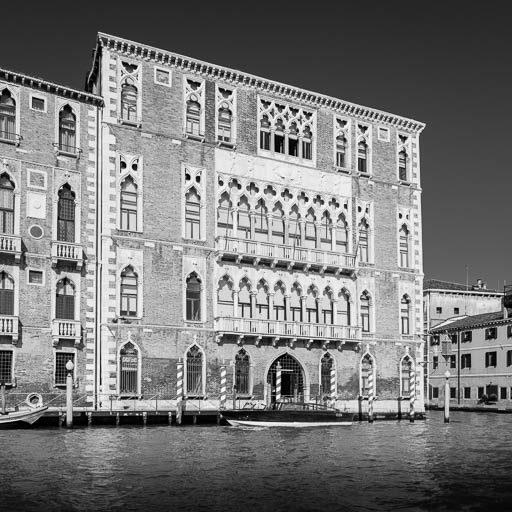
x: 292, y: 379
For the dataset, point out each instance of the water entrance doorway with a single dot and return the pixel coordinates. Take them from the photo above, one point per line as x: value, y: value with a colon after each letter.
x: 292, y: 379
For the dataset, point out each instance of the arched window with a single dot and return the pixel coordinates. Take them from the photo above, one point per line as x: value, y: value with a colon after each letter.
x: 294, y: 227
x: 279, y: 136
x: 362, y: 157
x: 311, y: 306
x: 129, y: 95
x: 326, y: 366
x: 364, y: 253
x: 128, y: 205
x: 310, y: 238
x: 326, y: 232
x: 6, y: 205
x: 365, y: 311
x: 224, y: 126
x: 244, y: 219
x: 224, y: 215
x: 293, y: 141
x: 225, y: 297
x: 406, y: 368
x: 66, y: 215
x: 366, y: 369
x: 278, y: 224
x: 129, y: 292
x: 65, y: 300
x: 341, y: 145
x: 67, y: 130
x: 307, y: 143
x: 279, y: 302
x: 242, y: 372
x: 404, y: 246
x: 265, y: 133
x: 327, y: 309
x: 6, y: 294
x: 261, y: 222
x: 193, y: 121
x: 192, y: 214
x: 244, y: 299
x: 341, y: 235
x: 402, y: 166
x: 405, y: 313
x: 262, y: 301
x: 194, y: 361
x: 129, y: 370
x: 295, y: 303
x: 7, y: 116
x: 343, y: 309
x: 193, y: 298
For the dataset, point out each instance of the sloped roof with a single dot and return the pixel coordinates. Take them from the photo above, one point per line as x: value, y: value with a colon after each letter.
x: 471, y: 321
x: 437, y: 284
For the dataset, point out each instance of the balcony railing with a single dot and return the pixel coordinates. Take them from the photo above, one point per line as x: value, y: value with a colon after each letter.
x: 9, y: 326
x: 10, y: 137
x: 272, y: 328
x: 66, y: 149
x: 11, y: 244
x: 67, y: 252
x: 66, y: 329
x: 287, y: 255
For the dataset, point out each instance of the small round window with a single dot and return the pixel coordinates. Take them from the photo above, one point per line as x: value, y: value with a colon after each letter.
x: 36, y: 231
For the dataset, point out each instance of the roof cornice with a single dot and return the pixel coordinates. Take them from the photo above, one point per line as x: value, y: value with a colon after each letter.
x: 447, y: 329
x: 240, y: 78
x: 470, y: 292
x: 39, y: 83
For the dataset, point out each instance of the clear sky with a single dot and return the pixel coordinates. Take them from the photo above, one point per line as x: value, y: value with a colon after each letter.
x: 447, y: 64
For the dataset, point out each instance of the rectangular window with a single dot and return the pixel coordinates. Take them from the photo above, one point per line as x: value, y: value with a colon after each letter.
x: 480, y: 393
x: 456, y: 311
x: 491, y: 333
x: 453, y: 338
x: 162, y: 77
x: 435, y: 340
x: 465, y: 361
x: 192, y: 220
x: 439, y: 310
x: 490, y: 359
x: 35, y: 277
x: 435, y: 362
x: 38, y: 104
x: 383, y: 134
x: 467, y: 393
x: 453, y: 392
x: 61, y: 359
x: 6, y: 366
x: 453, y: 361
x: 503, y: 393
x: 435, y: 392
x: 509, y: 331
x: 467, y: 336
x: 509, y: 357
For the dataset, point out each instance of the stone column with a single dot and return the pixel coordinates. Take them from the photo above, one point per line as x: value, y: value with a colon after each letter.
x: 235, y: 303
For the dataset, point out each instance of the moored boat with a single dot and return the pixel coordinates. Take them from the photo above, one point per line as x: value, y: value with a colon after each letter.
x: 288, y: 414
x: 21, y: 418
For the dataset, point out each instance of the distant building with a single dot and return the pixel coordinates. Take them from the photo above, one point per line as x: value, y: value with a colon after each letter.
x: 477, y: 351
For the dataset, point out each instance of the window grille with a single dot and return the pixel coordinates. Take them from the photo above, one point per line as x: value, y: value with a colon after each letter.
x: 292, y: 378
x: 194, y: 371
x: 65, y: 300
x: 242, y: 369
x: 129, y: 370
x: 5, y: 366
x: 61, y: 373
x: 66, y: 215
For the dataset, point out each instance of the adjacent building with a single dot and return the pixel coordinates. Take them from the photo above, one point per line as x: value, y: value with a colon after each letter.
x: 237, y: 234
x: 477, y: 352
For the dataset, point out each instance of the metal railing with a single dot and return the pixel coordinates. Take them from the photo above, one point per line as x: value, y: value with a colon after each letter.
x: 288, y: 253
x: 287, y: 329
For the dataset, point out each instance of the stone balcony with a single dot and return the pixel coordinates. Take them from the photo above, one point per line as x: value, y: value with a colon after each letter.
x: 11, y: 244
x: 289, y: 332
x: 66, y: 330
x: 287, y: 256
x: 67, y: 252
x: 9, y: 327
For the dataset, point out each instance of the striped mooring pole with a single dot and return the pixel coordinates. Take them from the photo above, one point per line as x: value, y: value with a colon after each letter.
x: 412, y: 394
x: 333, y: 383
x: 223, y: 387
x: 179, y: 398
x: 278, y: 382
x: 370, y: 396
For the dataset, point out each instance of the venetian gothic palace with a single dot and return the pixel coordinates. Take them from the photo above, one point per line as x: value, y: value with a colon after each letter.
x: 177, y: 220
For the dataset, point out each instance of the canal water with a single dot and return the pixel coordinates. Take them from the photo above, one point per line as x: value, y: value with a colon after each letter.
x: 384, y: 466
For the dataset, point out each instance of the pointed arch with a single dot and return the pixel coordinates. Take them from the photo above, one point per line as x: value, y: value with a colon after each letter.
x: 404, y: 245
x: 403, y: 174
x: 225, y: 303
x: 294, y: 378
x: 262, y: 302
x: 193, y: 297
x: 129, y: 100
x: 129, y: 370
x: 195, y: 372
x: 128, y: 204
x: 225, y: 215
x: 243, y: 377
x: 367, y: 366
x: 193, y: 214
x: 65, y: 299
x: 327, y: 306
x: 296, y: 302
x: 326, y: 231
x: 244, y: 298
x: 341, y: 234
x: 363, y: 241
x: 294, y: 236
x: 67, y: 129
x: 279, y: 302
x: 7, y: 204
x: 278, y: 224
x: 7, y: 287
x: 362, y: 156
x: 405, y: 314
x: 8, y: 115
x: 344, y: 307
x: 310, y: 229
x: 244, y: 218
x: 261, y: 221
x: 129, y: 292
x: 66, y: 207
x: 312, y: 305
